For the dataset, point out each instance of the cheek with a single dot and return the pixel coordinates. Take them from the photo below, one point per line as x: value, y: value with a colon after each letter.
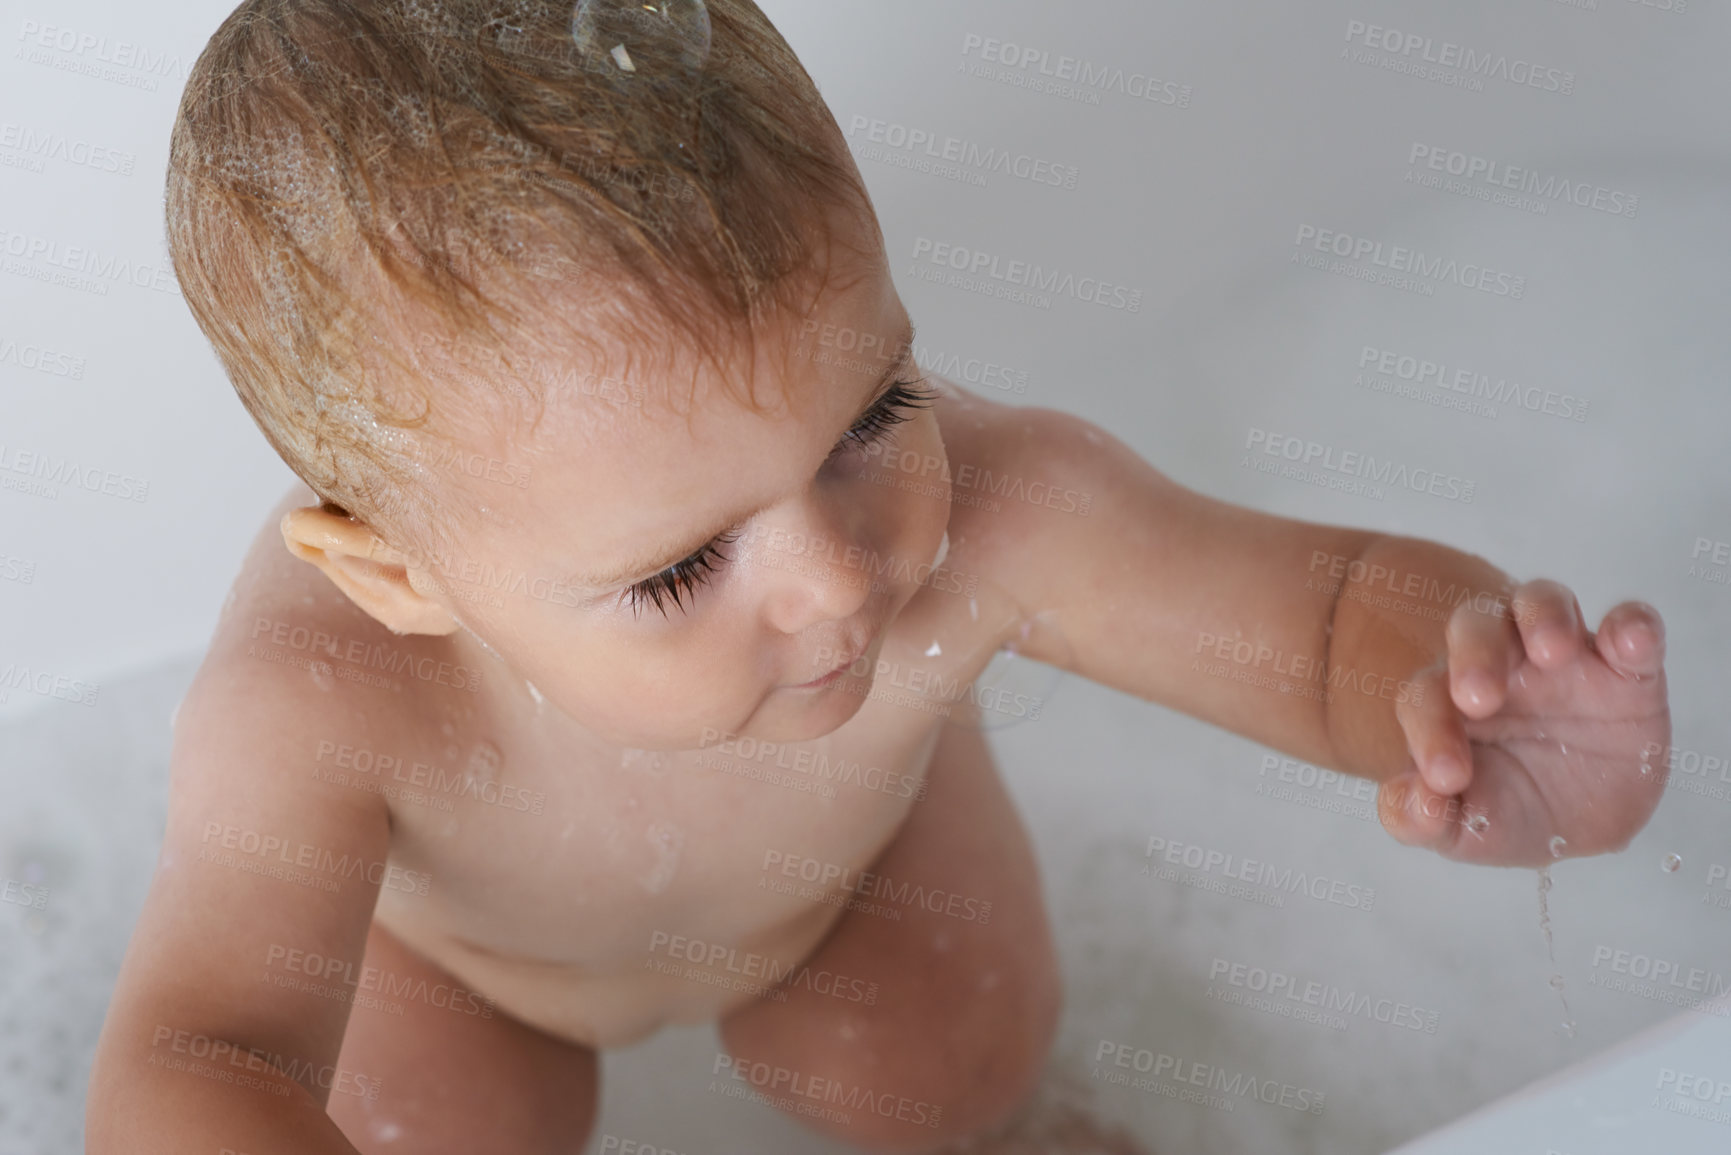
x: 643, y: 694
x: 640, y: 682
x: 697, y: 665
x: 911, y: 459
x: 931, y: 443
x: 932, y: 506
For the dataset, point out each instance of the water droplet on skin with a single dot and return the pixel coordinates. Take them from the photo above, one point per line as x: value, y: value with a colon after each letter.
x: 1671, y: 863
x: 480, y: 641
x: 484, y: 762
x: 943, y: 551
x: 1478, y: 824
x: 1558, y: 845
x: 652, y: 761
x: 667, y: 840
x: 934, y: 649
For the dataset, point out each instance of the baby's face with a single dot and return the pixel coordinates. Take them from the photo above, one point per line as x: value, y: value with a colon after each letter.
x: 688, y: 577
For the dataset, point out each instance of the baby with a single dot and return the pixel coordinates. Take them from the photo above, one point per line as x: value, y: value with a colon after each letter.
x: 624, y: 663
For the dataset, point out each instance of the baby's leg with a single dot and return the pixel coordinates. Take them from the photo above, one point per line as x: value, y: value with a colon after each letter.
x: 454, y: 1083
x: 966, y: 1007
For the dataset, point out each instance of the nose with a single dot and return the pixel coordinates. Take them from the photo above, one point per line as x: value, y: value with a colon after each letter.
x: 812, y: 556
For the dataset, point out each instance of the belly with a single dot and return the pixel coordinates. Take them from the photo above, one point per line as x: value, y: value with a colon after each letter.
x: 591, y: 933
x: 679, y: 979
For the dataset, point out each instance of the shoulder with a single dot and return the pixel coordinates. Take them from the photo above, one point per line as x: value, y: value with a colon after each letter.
x: 268, y: 692
x: 978, y: 429
x: 1015, y: 467
x: 1023, y: 484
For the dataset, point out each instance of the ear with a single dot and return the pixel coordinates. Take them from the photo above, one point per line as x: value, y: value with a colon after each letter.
x: 373, y: 575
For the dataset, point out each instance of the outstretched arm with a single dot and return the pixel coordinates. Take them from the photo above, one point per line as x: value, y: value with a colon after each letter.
x: 1494, y: 719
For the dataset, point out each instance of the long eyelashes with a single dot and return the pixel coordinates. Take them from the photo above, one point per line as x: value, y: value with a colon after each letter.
x: 682, y: 578
x: 892, y: 408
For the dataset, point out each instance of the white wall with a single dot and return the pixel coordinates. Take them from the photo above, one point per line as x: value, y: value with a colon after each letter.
x: 1196, y: 207
x: 117, y: 584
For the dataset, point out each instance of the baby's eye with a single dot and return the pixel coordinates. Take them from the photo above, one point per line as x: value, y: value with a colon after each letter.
x: 892, y: 408
x: 680, y: 578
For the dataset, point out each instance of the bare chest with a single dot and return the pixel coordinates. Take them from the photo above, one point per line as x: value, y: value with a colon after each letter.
x: 583, y: 857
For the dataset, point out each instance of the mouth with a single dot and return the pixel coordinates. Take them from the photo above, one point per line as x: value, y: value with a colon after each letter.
x: 831, y: 677
x: 828, y: 679
x: 841, y: 668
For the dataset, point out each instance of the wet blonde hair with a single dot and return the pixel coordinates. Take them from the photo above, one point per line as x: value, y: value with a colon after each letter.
x: 344, y: 172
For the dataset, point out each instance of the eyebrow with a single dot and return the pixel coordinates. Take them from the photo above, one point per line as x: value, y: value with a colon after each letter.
x: 651, y: 563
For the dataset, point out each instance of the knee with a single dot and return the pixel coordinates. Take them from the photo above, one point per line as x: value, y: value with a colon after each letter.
x: 907, y: 1079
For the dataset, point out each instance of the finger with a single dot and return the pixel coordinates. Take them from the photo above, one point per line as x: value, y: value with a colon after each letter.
x: 1631, y: 639
x: 1552, y: 631
x: 1508, y: 821
x: 1484, y: 649
x: 1436, y: 734
x: 1416, y: 815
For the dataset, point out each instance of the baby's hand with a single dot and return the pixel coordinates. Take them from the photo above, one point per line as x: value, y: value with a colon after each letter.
x: 1529, y: 738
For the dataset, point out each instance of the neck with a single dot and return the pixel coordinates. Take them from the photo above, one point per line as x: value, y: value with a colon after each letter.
x: 511, y: 701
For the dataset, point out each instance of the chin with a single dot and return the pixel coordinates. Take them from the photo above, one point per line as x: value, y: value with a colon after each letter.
x: 822, y: 713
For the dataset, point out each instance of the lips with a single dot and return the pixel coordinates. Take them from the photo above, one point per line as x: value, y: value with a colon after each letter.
x: 831, y: 675
x: 864, y: 648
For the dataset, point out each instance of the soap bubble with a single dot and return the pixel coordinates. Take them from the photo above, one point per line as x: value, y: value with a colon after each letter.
x: 642, y: 39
